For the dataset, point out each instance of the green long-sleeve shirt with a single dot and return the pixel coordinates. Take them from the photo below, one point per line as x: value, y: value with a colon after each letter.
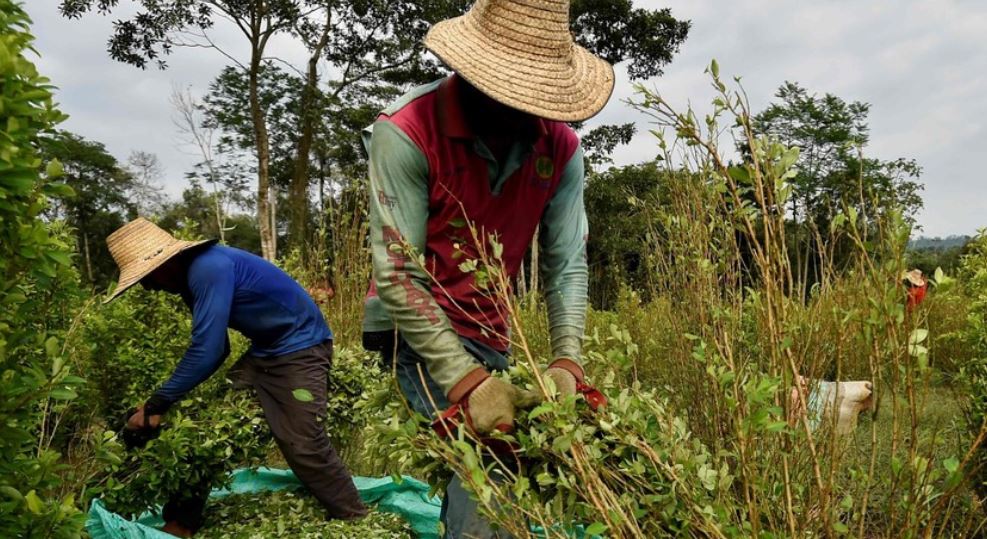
x: 401, y: 202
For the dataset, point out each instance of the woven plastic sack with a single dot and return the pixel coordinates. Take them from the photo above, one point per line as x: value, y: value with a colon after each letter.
x: 408, y: 499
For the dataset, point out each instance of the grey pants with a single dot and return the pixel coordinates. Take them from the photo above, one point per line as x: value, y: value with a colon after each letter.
x: 459, y: 511
x: 298, y: 426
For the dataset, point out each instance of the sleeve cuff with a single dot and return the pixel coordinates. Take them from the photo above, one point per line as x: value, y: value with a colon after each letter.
x: 570, y: 366
x: 157, y: 405
x: 467, y: 383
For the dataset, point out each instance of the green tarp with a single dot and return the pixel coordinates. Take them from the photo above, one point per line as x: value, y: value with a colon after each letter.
x: 408, y: 499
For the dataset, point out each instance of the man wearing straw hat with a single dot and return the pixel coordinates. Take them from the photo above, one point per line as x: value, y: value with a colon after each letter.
x: 291, y: 347
x: 486, y: 149
x: 916, y: 287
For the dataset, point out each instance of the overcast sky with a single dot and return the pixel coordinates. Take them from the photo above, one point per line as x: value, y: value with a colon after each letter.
x: 921, y: 64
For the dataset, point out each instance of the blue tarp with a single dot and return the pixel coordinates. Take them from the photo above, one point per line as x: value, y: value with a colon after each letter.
x: 408, y: 498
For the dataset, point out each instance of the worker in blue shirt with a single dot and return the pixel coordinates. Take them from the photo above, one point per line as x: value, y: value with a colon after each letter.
x: 291, y: 346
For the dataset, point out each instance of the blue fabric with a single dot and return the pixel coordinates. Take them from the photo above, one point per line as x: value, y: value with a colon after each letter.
x: 406, y: 497
x: 230, y: 288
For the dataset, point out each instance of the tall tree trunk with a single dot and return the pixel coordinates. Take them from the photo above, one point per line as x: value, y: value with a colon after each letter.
x: 265, y: 207
x: 322, y: 188
x: 298, y: 228
x: 89, y: 264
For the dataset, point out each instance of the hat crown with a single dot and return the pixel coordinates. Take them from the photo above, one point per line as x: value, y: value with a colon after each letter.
x: 541, y: 24
x: 137, y: 241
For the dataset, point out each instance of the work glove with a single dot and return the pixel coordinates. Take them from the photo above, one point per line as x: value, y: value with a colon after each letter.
x: 568, y: 378
x: 139, y: 428
x: 566, y: 374
x: 493, y: 403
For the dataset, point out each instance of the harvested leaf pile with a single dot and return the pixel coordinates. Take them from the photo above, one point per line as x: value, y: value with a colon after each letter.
x: 292, y: 514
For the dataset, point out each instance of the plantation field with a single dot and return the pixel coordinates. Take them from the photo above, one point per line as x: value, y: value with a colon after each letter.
x: 289, y: 514
x: 732, y: 278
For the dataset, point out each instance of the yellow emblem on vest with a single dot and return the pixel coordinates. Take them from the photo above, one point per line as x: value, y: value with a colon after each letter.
x: 544, y: 167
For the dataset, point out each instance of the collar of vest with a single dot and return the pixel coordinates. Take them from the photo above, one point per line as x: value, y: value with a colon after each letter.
x: 452, y: 119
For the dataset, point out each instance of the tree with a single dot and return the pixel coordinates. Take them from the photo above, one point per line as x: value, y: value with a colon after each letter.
x: 617, y: 32
x: 600, y: 143
x: 163, y: 25
x: 146, y: 190
x: 103, y: 199
x: 368, y: 43
x: 832, y: 173
x: 372, y: 46
x: 619, y: 229
x: 196, y: 210
x: 33, y: 266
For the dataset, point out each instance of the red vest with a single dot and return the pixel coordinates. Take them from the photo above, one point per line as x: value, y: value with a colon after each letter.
x: 916, y: 294
x: 459, y: 190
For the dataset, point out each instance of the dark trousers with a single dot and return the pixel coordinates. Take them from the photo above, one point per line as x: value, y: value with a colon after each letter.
x: 384, y: 343
x: 459, y: 510
x: 298, y: 426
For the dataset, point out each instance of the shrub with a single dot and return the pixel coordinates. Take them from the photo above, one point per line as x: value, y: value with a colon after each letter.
x: 973, y: 276
x: 701, y: 437
x: 133, y: 344
x: 34, y: 376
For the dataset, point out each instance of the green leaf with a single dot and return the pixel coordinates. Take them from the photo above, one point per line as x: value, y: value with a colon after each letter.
x: 841, y: 528
x: 918, y: 336
x: 19, y: 182
x: 458, y: 222
x: 539, y: 410
x: 739, y: 174
x: 34, y: 503
x: 11, y: 493
x: 54, y: 169
x: 714, y: 68
x: 951, y: 464
x: 59, y: 189
x: 917, y: 350
x: 63, y: 394
x: 596, y: 528
x: 60, y: 257
x: 498, y: 249
x: 939, y: 275
x: 56, y: 365
x: 303, y: 395
x: 51, y: 346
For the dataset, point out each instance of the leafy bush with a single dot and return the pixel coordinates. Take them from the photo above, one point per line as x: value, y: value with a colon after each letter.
x: 291, y: 514
x: 34, y: 377
x: 973, y: 275
x: 132, y: 345
x: 200, y: 444
x: 701, y: 437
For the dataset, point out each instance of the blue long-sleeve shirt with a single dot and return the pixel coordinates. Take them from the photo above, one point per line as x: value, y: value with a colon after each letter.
x: 230, y: 288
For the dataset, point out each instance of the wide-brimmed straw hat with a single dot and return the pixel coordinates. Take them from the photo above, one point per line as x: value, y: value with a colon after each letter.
x: 914, y: 277
x: 140, y: 247
x: 521, y: 53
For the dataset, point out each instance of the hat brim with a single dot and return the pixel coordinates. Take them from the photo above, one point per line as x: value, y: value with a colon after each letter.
x: 570, y: 88
x: 132, y: 275
x: 914, y: 278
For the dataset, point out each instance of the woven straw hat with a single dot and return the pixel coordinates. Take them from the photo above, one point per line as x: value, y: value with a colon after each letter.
x: 521, y: 53
x: 915, y: 277
x: 140, y: 247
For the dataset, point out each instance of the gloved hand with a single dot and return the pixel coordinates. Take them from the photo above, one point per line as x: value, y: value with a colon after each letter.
x: 566, y: 374
x: 138, y: 428
x: 493, y: 403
